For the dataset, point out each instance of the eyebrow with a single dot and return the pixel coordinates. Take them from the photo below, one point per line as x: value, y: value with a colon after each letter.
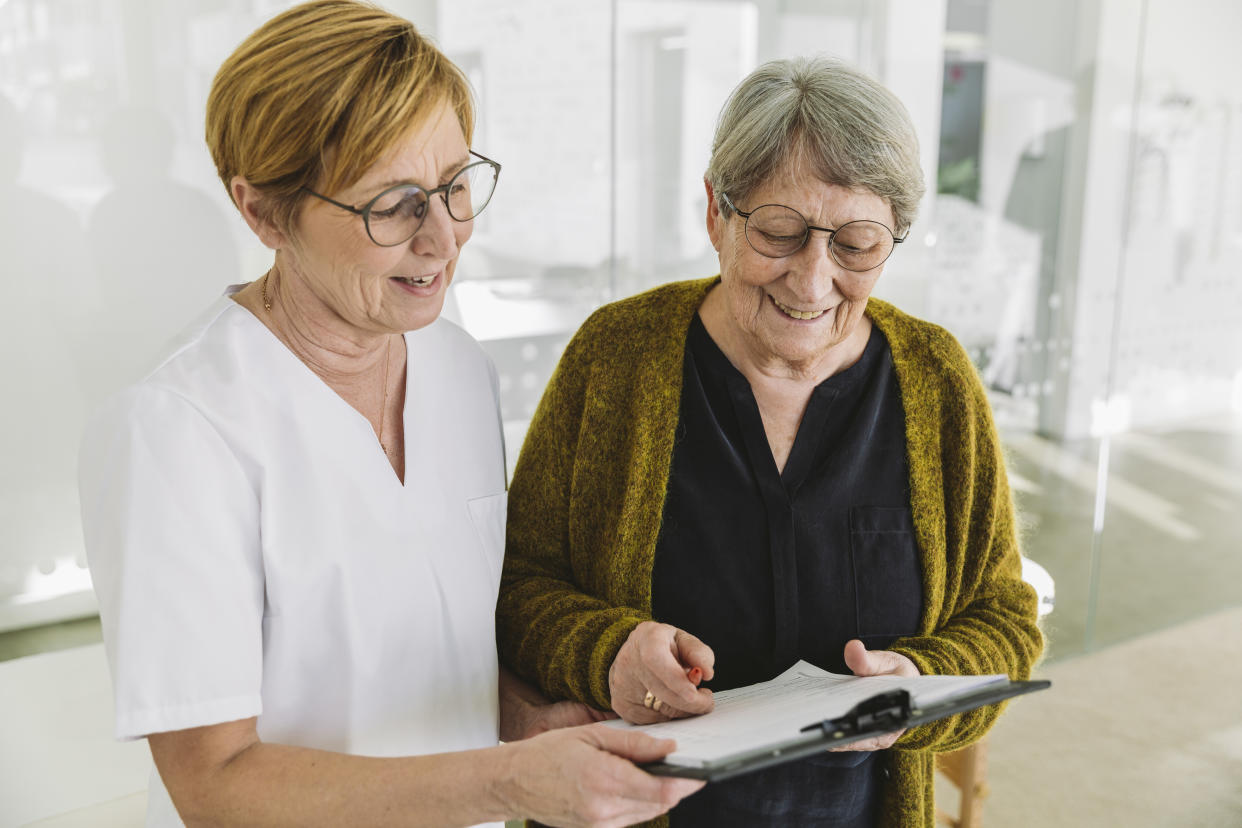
x: 455, y: 167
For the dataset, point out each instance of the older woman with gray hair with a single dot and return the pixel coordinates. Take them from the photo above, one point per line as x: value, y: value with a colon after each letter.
x: 728, y: 475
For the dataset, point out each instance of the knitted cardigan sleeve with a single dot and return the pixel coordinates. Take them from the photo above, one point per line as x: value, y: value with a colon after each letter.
x: 979, y: 617
x: 588, y: 492
x: 541, y: 602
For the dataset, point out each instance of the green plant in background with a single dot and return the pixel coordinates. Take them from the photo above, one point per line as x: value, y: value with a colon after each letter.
x: 960, y: 178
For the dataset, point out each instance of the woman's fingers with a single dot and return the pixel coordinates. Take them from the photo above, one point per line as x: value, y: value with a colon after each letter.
x: 586, y: 776
x: 666, y: 653
x: 650, y: 662
x: 630, y: 744
x: 660, y: 792
x: 671, y: 791
x: 864, y: 662
x: 883, y: 742
x: 693, y: 653
x: 638, y: 707
x: 676, y: 692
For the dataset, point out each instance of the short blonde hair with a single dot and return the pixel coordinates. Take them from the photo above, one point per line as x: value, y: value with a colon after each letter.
x: 842, y: 124
x: 318, y: 94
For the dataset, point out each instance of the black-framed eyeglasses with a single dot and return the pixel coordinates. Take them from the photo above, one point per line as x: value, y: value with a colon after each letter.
x: 777, y: 231
x: 394, y: 216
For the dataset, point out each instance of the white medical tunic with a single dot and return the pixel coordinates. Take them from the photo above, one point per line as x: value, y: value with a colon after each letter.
x: 254, y: 553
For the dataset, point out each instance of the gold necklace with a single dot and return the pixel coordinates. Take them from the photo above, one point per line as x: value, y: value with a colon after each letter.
x: 267, y: 303
x: 267, y: 306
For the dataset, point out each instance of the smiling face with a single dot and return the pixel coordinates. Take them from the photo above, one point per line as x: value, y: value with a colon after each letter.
x: 334, y: 265
x: 799, y: 309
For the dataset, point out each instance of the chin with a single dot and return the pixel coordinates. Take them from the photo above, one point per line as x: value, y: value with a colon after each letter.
x: 426, y: 314
x: 804, y: 348
x: 793, y: 351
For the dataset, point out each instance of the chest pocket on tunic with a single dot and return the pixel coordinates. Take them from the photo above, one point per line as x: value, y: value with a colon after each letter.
x: 488, y: 515
x: 888, y: 577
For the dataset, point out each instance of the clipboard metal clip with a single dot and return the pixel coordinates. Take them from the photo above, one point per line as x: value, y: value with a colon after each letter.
x: 878, y: 714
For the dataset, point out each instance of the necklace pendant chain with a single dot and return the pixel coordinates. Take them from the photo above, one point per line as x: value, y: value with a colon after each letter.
x: 384, y: 404
x: 267, y: 303
x: 383, y: 412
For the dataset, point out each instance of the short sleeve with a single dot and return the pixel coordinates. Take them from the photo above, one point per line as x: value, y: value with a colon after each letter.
x: 171, y: 524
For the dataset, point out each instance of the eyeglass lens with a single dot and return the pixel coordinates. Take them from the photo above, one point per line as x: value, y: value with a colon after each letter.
x: 777, y: 231
x: 396, y: 214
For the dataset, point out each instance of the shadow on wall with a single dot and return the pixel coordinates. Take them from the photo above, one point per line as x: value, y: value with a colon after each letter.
x: 162, y: 250
x: 85, y: 312
x: 48, y: 284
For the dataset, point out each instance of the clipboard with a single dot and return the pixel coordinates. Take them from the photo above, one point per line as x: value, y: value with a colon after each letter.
x: 877, y: 715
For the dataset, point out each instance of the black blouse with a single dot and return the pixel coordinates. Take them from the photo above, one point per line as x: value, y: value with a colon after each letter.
x: 769, y: 567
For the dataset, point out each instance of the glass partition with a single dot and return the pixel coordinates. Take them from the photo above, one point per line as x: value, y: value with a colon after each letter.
x: 1080, y: 237
x: 1169, y: 413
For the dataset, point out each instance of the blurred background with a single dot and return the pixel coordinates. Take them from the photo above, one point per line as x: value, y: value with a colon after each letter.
x: 1081, y: 235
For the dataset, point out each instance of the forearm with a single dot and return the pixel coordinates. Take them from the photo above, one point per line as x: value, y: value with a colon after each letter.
x: 989, y: 638
x: 560, y: 637
x: 559, y: 619
x: 518, y: 703
x: 985, y: 621
x: 984, y: 639
x: 277, y: 785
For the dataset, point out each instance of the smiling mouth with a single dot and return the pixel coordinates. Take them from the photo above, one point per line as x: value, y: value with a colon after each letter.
x: 420, y: 281
x: 794, y: 312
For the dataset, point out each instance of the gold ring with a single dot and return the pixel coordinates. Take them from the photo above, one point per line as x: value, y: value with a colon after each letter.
x: 650, y: 700
x: 655, y: 705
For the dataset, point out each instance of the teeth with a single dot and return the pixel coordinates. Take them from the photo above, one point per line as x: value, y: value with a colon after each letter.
x: 421, y: 281
x: 797, y: 314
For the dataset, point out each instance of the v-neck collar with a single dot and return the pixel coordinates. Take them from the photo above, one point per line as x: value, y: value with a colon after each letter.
x: 303, y: 380
x: 801, y: 460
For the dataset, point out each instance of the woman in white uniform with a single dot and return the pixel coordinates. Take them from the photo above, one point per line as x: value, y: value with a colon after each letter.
x: 295, y: 522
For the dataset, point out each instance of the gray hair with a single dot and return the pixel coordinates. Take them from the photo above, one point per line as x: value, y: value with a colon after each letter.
x: 842, y: 124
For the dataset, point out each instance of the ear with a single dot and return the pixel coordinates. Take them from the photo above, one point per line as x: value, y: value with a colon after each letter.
x: 715, y: 221
x: 249, y: 202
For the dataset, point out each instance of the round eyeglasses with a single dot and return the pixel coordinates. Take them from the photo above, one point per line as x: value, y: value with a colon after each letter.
x: 394, y: 216
x: 777, y: 231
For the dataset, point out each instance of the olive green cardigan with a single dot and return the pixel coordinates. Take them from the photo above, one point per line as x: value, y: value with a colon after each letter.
x: 588, y: 493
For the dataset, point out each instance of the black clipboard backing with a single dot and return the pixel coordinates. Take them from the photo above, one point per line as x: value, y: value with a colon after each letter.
x: 866, y: 720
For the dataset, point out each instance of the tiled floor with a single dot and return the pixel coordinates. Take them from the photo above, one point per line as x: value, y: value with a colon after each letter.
x: 1143, y: 734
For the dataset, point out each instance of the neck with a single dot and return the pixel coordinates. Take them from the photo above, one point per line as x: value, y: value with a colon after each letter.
x: 343, y: 354
x: 366, y: 368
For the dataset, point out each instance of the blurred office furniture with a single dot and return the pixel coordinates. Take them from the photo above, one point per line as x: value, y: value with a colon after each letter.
x: 967, y: 770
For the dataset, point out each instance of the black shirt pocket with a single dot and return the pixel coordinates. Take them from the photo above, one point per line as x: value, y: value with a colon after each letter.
x: 888, y: 576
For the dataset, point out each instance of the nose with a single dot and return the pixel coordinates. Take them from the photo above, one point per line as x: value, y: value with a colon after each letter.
x: 814, y: 272
x: 437, y: 237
